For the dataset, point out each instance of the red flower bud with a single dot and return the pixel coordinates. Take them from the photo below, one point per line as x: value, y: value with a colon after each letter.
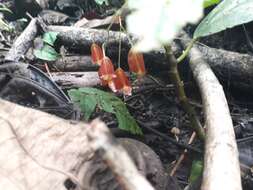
x: 136, y: 63
x: 122, y: 82
x: 96, y: 54
x: 106, y: 73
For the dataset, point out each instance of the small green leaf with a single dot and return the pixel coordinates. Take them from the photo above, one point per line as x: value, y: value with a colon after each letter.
x: 47, y: 53
x: 208, y: 3
x: 50, y: 37
x: 88, y: 105
x: 100, y: 2
x: 227, y: 14
x: 196, y: 170
x: 126, y: 121
x: 88, y: 98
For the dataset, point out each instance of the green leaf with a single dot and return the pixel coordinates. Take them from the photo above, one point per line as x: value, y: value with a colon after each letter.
x: 88, y: 105
x: 227, y: 14
x: 196, y: 170
x: 50, y: 37
x: 100, y: 2
x: 106, y: 105
x: 88, y: 98
x: 126, y: 121
x: 208, y: 3
x: 75, y: 95
x: 47, y: 53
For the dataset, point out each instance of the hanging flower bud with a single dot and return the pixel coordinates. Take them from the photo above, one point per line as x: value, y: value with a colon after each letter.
x: 96, y: 54
x: 122, y: 82
x: 136, y: 63
x: 106, y: 73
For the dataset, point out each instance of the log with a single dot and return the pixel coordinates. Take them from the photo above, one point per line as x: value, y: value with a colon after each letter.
x: 227, y: 65
x: 74, y: 64
x: 70, y: 80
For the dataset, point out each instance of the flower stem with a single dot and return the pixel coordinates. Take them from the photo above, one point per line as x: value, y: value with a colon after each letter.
x: 179, y: 87
x: 186, y: 51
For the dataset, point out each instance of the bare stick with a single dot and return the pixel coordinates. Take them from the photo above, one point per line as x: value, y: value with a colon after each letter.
x: 76, y: 79
x: 23, y: 42
x: 221, y: 165
x: 110, y: 152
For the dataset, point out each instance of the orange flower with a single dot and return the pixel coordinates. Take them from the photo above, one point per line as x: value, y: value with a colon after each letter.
x: 136, y: 63
x: 106, y: 73
x: 122, y: 82
x: 96, y: 54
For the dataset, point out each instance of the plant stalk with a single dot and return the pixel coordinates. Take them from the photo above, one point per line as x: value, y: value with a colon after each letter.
x: 179, y: 87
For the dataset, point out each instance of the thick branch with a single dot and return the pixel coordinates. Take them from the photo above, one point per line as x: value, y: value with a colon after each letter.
x: 74, y: 64
x: 23, y: 42
x: 221, y: 165
x: 226, y: 65
x: 76, y: 79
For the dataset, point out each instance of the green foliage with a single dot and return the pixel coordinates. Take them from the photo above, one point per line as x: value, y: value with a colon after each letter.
x: 208, y: 3
x: 227, y: 14
x: 196, y: 170
x: 50, y: 37
x: 48, y: 52
x: 100, y: 2
x: 90, y: 98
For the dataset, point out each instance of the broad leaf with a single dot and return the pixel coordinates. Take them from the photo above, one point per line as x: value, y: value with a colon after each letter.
x: 88, y: 105
x: 208, y: 3
x: 47, y: 53
x: 89, y: 98
x: 227, y: 14
x: 50, y: 37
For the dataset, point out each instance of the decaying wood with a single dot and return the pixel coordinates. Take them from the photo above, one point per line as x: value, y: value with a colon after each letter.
x: 39, y: 151
x: 74, y: 64
x: 85, y: 23
x: 76, y: 79
x: 23, y: 42
x: 221, y: 164
x: 230, y: 67
x: 82, y: 38
x: 235, y: 70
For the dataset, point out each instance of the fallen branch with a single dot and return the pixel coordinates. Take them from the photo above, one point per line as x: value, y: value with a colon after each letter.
x: 221, y: 164
x: 74, y: 64
x: 226, y: 65
x: 53, y: 149
x: 76, y: 79
x: 23, y: 42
